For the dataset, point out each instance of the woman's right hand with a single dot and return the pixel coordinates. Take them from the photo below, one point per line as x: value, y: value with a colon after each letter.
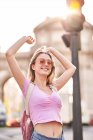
x: 30, y: 40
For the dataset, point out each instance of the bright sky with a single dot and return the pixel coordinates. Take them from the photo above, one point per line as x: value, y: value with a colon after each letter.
x: 19, y: 17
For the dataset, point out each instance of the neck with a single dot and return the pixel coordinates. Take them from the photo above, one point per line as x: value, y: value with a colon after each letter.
x: 40, y: 80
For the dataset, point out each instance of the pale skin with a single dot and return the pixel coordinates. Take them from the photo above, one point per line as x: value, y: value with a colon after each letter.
x: 50, y: 129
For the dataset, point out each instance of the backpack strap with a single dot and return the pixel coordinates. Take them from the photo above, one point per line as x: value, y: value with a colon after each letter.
x: 53, y: 87
x: 29, y: 92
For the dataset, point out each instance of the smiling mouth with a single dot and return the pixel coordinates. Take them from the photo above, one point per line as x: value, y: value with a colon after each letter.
x: 46, y: 69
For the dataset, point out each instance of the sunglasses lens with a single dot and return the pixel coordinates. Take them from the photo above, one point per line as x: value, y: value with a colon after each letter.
x: 42, y: 62
x: 49, y: 62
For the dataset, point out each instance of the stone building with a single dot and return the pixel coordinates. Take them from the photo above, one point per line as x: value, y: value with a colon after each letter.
x: 50, y: 33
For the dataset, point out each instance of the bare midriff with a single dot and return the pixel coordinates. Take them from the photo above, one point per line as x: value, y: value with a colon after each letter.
x: 50, y: 129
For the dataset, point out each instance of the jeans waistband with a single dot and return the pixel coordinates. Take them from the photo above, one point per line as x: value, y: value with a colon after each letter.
x: 42, y: 137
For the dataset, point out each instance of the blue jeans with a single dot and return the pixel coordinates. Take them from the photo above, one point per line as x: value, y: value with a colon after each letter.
x: 38, y: 136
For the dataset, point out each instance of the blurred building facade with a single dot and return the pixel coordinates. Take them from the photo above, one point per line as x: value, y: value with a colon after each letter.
x: 50, y: 33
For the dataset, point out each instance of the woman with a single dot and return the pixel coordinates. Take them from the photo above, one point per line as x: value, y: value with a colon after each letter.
x: 45, y: 103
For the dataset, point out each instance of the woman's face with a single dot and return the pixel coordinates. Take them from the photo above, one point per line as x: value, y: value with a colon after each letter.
x: 43, y: 64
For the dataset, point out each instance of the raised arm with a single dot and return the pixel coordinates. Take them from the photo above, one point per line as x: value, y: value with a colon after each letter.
x: 10, y: 56
x: 69, y: 69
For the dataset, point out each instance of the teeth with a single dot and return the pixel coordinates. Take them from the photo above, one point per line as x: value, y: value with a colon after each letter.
x: 44, y: 68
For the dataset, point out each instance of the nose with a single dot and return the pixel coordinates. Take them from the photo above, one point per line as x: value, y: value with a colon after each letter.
x: 46, y: 63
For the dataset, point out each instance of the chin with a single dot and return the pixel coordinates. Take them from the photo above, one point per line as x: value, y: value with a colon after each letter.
x: 45, y: 73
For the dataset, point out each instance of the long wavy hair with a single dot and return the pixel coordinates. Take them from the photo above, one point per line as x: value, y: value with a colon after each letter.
x: 31, y: 72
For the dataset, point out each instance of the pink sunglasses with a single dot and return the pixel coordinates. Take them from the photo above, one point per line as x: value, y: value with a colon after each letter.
x: 44, y: 61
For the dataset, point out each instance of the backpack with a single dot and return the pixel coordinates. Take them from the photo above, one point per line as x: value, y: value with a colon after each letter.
x: 26, y: 123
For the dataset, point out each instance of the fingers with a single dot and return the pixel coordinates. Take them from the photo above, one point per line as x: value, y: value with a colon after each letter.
x: 42, y: 49
x: 30, y: 40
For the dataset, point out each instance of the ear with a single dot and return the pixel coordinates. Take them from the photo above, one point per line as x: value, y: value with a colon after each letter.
x: 33, y: 66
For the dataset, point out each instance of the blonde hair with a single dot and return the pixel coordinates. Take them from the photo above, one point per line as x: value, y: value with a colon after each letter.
x: 31, y: 72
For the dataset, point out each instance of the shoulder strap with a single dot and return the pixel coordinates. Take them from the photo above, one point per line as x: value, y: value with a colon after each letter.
x: 29, y: 92
x: 53, y: 87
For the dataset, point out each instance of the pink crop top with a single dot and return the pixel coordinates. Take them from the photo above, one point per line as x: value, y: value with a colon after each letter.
x: 43, y: 107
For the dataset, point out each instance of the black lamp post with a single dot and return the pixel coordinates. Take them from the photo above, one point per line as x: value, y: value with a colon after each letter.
x: 73, y: 25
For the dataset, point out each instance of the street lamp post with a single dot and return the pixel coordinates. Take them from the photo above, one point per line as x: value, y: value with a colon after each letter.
x: 77, y: 124
x: 72, y: 40
x: 73, y: 25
